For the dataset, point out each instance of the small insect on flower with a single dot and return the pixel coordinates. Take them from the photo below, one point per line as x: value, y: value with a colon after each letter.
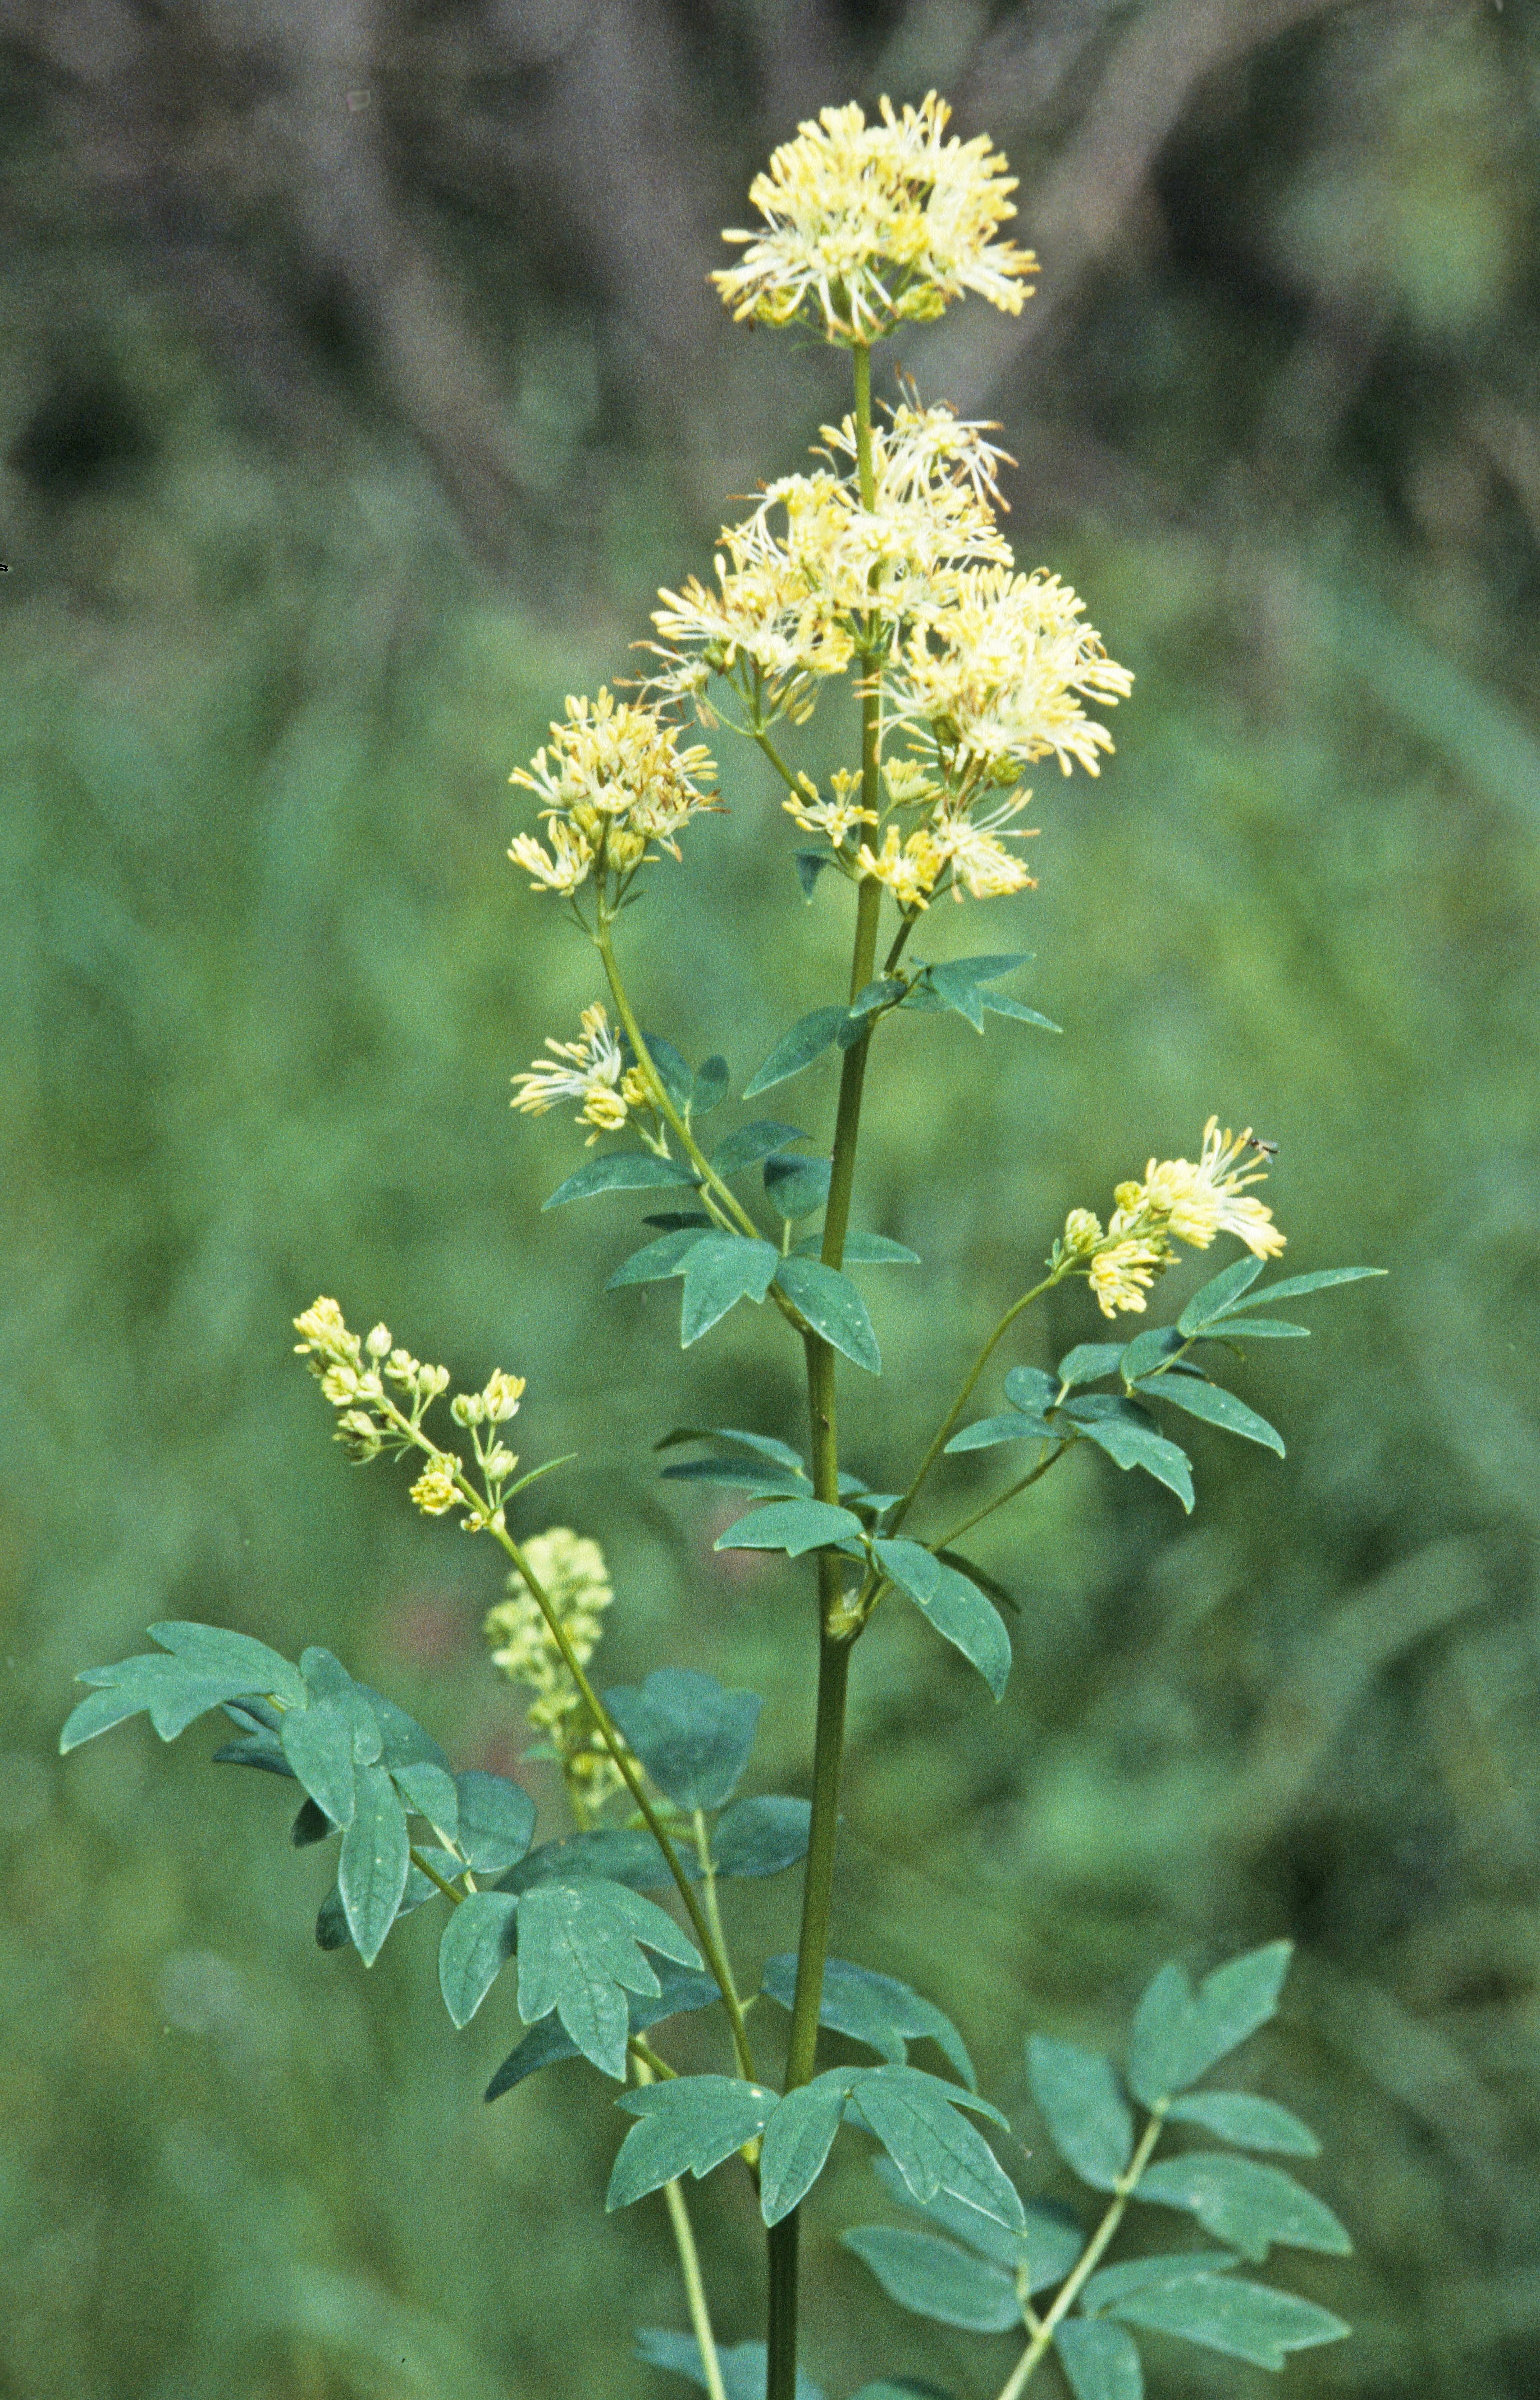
x: 1268, y: 1149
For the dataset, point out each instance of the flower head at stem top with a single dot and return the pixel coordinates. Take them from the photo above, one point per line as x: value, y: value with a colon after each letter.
x: 572, y: 1573
x: 866, y: 227
x: 354, y: 1376
x: 1179, y: 1200
x: 611, y: 782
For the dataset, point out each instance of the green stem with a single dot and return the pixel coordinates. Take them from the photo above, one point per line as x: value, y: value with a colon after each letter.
x: 690, y: 2268
x: 948, y: 1422
x: 1032, y: 1476
x: 834, y: 1651
x: 1070, y: 2290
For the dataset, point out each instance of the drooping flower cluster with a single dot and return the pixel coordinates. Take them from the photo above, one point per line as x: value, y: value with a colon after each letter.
x: 593, y: 1071
x: 1177, y: 1201
x: 353, y: 1375
x: 906, y: 579
x: 870, y: 226
x: 611, y: 782
x: 571, y: 1572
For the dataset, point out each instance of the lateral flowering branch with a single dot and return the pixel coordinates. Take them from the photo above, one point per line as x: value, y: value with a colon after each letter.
x: 571, y: 1572
x: 1179, y: 1200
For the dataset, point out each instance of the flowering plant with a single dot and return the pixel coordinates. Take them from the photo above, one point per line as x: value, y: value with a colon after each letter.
x: 884, y: 566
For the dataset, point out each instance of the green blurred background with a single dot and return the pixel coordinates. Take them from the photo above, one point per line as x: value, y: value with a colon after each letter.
x: 359, y: 382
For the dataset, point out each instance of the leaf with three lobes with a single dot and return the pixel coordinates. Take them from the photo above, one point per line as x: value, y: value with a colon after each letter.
x: 1216, y: 1406
x: 1084, y: 2108
x: 580, y: 1953
x: 809, y: 1037
x: 478, y: 1942
x: 742, y: 2363
x: 834, y: 1308
x: 173, y: 1696
x: 680, y: 1991
x: 720, y: 1270
x: 1250, y: 2123
x: 496, y: 1820
x: 1112, y: 2285
x: 794, y: 1526
x: 1127, y: 1444
x: 760, y: 1835
x: 935, y: 2279
x: 693, y: 2123
x: 1179, y: 2035
x: 875, y: 2009
x: 1248, y: 2321
x: 916, y: 2118
x: 798, y: 2139
x: 1098, y: 2359
x: 622, y: 1170
x: 692, y: 1734
x: 657, y: 1261
x: 210, y: 1650
x: 956, y: 1607
x: 372, y: 1869
x: 1241, y: 2202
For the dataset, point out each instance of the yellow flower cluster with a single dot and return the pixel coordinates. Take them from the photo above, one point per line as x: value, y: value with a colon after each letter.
x: 353, y: 1375
x: 1179, y: 1200
x: 592, y: 1071
x: 869, y: 227
x: 571, y: 1571
x: 611, y: 782
x: 979, y: 670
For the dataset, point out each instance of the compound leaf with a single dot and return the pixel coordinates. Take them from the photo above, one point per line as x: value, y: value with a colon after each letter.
x: 318, y: 1743
x: 797, y: 1187
x: 720, y: 1270
x: 1179, y: 2035
x: 1219, y: 1296
x: 430, y: 1792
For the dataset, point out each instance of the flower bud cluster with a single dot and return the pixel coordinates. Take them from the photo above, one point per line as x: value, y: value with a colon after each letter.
x: 355, y: 1375
x: 571, y: 1572
x: 1178, y: 1200
x: 611, y: 782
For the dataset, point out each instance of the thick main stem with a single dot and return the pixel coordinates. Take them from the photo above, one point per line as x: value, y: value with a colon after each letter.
x: 834, y: 1649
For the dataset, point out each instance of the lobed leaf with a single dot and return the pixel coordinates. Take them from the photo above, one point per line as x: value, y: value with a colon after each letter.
x: 692, y: 2122
x: 918, y: 2120
x: 692, y: 1734
x: 720, y: 1270
x: 680, y: 1992
x: 1179, y: 2035
x: 580, y: 1953
x: 234, y: 1658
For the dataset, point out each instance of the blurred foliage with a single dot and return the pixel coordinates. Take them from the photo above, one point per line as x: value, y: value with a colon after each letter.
x: 284, y: 606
